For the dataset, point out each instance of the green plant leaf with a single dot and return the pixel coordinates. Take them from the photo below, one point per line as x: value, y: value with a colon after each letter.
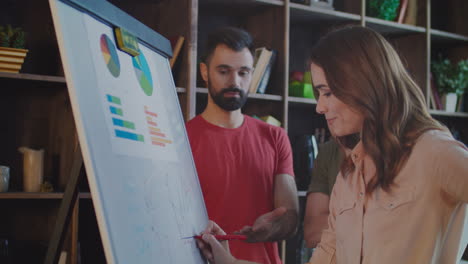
x: 12, y: 37
x: 450, y: 78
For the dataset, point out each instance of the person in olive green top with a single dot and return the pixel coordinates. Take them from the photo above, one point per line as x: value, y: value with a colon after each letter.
x: 326, y: 168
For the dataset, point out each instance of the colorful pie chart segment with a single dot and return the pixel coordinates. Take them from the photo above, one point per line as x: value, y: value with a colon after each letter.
x: 143, y: 73
x: 110, y: 55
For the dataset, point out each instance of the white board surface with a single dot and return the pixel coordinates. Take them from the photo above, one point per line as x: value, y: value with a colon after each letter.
x: 138, y: 161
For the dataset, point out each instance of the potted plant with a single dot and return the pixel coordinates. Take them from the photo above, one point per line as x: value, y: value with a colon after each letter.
x: 451, y: 80
x: 383, y: 9
x: 12, y: 52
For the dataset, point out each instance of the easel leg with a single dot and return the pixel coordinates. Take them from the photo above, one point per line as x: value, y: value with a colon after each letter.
x: 74, y: 233
x: 66, y: 209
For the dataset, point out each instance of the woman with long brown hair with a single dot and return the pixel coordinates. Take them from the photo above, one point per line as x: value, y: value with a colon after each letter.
x: 402, y: 192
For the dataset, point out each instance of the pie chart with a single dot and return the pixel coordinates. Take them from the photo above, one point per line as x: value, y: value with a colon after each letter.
x: 110, y: 55
x: 143, y: 73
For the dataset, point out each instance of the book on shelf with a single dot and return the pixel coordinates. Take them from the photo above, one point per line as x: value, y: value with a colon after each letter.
x: 435, y: 94
x: 303, y: 2
x: 411, y: 13
x: 402, y: 11
x: 62, y: 258
x: 304, y: 150
x: 432, y: 103
x: 262, y: 57
x: 460, y: 103
x: 271, y: 120
x: 176, y: 44
x: 266, y: 75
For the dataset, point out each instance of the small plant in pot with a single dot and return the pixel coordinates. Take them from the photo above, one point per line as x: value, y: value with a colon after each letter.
x: 12, y: 48
x: 12, y: 37
x: 383, y: 9
x: 451, y: 79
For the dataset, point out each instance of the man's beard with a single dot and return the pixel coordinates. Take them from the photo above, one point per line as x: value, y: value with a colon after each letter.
x: 228, y: 103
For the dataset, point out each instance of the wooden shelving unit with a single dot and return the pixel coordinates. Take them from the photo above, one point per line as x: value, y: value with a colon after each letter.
x: 39, y: 195
x: 32, y: 77
x: 37, y: 113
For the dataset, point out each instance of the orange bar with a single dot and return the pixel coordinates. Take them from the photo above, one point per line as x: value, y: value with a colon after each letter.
x: 155, y: 139
x: 157, y: 134
x: 155, y: 129
x: 152, y: 123
x: 149, y: 118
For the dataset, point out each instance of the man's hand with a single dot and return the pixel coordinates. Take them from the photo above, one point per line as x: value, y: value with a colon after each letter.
x: 265, y: 227
x: 281, y: 223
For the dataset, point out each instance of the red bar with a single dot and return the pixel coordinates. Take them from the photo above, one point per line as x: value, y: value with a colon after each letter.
x: 158, y: 143
x: 151, y: 113
x: 157, y: 134
x: 152, y: 123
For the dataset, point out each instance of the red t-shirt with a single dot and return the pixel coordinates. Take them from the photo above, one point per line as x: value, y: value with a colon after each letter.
x: 236, y: 169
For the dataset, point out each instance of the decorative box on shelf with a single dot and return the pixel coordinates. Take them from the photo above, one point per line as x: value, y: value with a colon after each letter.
x: 315, y: 3
x: 11, y: 59
x: 322, y: 3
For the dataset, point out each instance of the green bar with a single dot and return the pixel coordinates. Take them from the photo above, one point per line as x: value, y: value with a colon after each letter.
x: 129, y: 124
x: 140, y: 138
x: 119, y: 111
x: 113, y: 99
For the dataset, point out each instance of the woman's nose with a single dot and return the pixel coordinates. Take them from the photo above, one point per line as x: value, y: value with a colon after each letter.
x: 320, y: 108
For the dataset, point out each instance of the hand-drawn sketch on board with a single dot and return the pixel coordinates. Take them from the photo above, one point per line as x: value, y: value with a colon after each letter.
x: 140, y: 169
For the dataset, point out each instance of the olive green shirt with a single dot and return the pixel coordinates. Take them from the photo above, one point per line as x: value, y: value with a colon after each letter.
x: 326, y: 168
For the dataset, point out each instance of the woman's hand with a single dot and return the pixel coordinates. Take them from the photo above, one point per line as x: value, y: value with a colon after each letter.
x: 215, y: 251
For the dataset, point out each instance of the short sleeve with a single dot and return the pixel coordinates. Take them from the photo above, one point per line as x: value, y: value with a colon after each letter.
x: 326, y: 168
x: 452, y: 170
x: 446, y: 162
x: 284, y: 164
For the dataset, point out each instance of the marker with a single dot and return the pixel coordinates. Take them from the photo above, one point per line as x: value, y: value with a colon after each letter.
x: 222, y: 237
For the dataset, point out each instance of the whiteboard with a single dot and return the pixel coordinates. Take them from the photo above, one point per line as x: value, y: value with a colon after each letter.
x: 139, y: 165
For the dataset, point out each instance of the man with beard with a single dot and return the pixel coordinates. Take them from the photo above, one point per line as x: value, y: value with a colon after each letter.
x: 244, y: 165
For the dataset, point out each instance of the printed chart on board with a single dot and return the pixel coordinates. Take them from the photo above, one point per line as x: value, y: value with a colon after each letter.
x: 136, y: 128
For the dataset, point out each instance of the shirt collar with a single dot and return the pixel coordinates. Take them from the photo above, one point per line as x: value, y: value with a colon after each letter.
x: 357, y: 153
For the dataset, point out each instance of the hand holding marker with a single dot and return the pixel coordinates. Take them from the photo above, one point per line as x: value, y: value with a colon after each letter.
x: 222, y: 237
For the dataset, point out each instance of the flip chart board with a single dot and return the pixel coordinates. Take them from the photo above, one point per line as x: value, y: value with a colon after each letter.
x: 136, y: 152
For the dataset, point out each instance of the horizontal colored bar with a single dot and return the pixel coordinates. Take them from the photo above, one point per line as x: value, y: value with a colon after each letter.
x: 152, y: 123
x: 129, y: 135
x: 154, y: 129
x: 158, y: 143
x: 149, y: 118
x: 113, y: 99
x: 123, y: 123
x: 157, y: 134
x: 151, y: 113
x: 161, y: 140
x: 116, y: 111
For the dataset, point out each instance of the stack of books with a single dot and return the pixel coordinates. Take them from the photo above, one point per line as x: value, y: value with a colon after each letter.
x: 263, y: 63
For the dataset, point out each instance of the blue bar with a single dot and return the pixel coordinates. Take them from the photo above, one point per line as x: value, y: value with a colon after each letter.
x: 116, y: 111
x: 123, y: 123
x: 128, y: 135
x: 113, y: 99
x: 117, y: 122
